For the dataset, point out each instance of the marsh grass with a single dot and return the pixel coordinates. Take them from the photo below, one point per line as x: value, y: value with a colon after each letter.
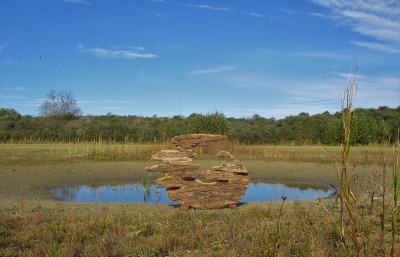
x: 248, y: 231
x: 355, y: 217
x: 396, y: 191
x: 55, y: 153
x: 258, y: 229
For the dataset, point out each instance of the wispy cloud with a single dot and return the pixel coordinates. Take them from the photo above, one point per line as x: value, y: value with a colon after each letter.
x: 307, y: 54
x: 122, y: 102
x: 19, y: 88
x: 111, y: 108
x: 159, y: 15
x: 254, y: 14
x: 320, y: 55
x: 11, y: 97
x: 34, y: 103
x: 332, y: 89
x: 378, y: 46
x: 105, y: 102
x: 374, y: 18
x: 292, y: 96
x: 77, y: 2
x: 3, y: 46
x: 287, y: 11
x: 203, y: 6
x: 89, y: 102
x: 117, y: 54
x: 209, y: 7
x: 212, y: 70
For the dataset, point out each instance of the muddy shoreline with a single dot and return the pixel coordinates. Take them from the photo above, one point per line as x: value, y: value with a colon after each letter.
x: 31, y: 183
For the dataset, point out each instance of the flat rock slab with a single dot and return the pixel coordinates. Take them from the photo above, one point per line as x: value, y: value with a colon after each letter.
x: 172, y: 168
x: 188, y: 142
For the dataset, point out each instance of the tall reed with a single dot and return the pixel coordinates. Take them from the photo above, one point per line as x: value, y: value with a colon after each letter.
x: 353, y: 221
x: 396, y: 190
x: 345, y: 178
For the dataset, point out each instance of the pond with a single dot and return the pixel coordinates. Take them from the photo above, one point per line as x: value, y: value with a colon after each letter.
x: 136, y: 192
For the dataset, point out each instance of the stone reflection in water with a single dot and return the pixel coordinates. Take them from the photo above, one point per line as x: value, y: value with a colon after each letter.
x: 228, y: 184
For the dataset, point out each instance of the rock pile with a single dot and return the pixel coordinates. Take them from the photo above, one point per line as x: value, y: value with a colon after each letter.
x: 228, y: 181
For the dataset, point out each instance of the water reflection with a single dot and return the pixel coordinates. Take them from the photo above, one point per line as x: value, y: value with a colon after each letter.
x: 151, y: 193
x: 263, y: 192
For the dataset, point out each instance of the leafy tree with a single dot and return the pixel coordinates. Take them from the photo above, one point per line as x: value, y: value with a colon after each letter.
x: 9, y: 114
x: 60, y: 104
x: 215, y: 123
x: 168, y: 130
x: 333, y: 133
x: 383, y: 132
x: 364, y: 128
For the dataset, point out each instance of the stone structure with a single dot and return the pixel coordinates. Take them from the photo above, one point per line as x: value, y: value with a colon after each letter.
x: 228, y: 181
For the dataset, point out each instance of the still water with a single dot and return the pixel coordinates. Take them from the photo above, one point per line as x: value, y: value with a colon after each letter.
x: 135, y: 192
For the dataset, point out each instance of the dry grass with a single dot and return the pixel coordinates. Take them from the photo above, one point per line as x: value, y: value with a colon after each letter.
x: 307, y: 228
x: 55, y: 153
x: 248, y: 231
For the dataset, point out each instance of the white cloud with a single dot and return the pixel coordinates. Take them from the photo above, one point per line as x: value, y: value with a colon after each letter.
x: 30, y: 103
x: 287, y: 11
x: 204, y: 6
x: 382, y: 28
x: 374, y: 18
x: 378, y: 46
x: 372, y: 92
x: 11, y: 97
x: 122, y: 102
x: 77, y: 1
x: 212, y: 70
x: 88, y: 102
x: 313, y: 95
x: 320, y: 55
x: 254, y: 14
x: 137, y: 48
x: 19, y: 88
x: 111, y: 108
x: 116, y: 54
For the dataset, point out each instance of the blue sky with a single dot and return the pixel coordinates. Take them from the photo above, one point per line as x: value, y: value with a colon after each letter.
x: 177, y: 57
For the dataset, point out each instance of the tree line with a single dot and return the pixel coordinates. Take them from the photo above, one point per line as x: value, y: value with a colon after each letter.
x: 370, y: 126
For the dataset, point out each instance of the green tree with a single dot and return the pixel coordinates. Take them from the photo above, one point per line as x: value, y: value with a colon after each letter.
x: 383, y: 132
x: 9, y: 114
x: 168, y: 130
x: 364, y: 128
x: 215, y: 123
x: 333, y: 133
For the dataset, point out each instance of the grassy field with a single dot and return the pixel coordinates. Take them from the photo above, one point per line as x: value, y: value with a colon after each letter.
x: 54, y: 153
x: 42, y: 227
